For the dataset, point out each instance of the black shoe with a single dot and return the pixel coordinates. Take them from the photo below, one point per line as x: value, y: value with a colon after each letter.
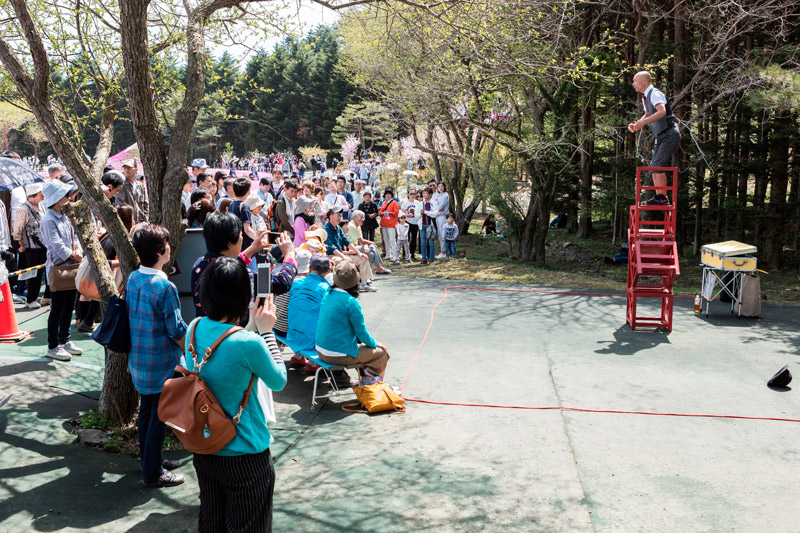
x: 83, y: 328
x: 166, y: 479
x: 170, y: 464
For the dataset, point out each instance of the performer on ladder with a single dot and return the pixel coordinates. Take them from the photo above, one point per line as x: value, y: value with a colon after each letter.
x: 657, y: 113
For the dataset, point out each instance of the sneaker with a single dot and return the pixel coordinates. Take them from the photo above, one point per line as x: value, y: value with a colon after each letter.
x: 19, y: 299
x: 59, y: 354
x: 70, y: 347
x: 366, y: 287
x: 33, y: 305
x: 396, y: 261
x: 45, y: 301
x: 409, y: 261
x: 423, y: 262
x: 658, y: 199
x: 310, y: 367
x: 298, y: 361
x: 84, y: 328
x: 431, y: 262
x: 166, y: 479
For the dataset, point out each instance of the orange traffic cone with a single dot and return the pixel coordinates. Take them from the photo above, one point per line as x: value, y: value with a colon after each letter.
x: 9, y: 329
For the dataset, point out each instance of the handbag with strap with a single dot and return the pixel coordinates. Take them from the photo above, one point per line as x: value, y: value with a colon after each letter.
x: 376, y: 398
x: 114, y: 332
x: 188, y: 406
x: 62, y: 276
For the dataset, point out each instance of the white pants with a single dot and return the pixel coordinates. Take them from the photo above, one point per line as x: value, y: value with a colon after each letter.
x: 389, y: 236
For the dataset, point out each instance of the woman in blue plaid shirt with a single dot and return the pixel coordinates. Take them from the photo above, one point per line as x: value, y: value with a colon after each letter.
x: 157, y: 336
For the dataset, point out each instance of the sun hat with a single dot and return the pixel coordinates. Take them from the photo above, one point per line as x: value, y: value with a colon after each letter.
x: 254, y: 201
x: 200, y: 163
x: 345, y: 275
x: 318, y: 233
x: 314, y: 245
x: 33, y: 188
x: 388, y: 191
x: 303, y: 259
x: 54, y: 190
x: 302, y: 203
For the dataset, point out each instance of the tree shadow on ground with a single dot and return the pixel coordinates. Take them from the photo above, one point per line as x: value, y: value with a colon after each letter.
x: 68, y: 486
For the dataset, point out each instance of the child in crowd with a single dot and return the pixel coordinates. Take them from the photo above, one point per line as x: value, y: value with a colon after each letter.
x: 450, y: 233
x: 402, y: 238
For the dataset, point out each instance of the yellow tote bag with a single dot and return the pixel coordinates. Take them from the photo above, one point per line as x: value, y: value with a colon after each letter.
x: 376, y: 398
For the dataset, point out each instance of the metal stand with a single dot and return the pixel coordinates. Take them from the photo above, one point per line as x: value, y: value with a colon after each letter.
x: 721, y: 286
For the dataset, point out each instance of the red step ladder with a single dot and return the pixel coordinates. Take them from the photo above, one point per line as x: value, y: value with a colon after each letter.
x: 652, y: 253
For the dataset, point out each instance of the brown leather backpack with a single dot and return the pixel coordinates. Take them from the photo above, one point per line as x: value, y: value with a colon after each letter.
x: 188, y: 406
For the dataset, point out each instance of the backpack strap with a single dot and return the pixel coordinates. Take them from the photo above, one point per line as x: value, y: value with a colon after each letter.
x: 210, y: 349
x: 207, y: 354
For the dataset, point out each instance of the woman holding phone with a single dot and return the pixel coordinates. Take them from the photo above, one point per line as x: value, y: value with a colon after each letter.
x: 237, y: 483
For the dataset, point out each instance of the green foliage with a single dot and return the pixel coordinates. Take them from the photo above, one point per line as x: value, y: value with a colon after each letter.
x: 94, y: 420
x: 370, y: 121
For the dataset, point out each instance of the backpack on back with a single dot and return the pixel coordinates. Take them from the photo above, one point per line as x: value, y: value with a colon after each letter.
x: 188, y: 406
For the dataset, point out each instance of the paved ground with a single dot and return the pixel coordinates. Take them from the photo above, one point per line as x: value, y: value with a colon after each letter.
x: 449, y: 468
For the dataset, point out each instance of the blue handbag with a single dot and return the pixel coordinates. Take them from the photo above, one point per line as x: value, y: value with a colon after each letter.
x: 114, y: 332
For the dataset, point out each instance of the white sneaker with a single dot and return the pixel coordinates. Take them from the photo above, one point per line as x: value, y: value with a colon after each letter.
x: 366, y: 287
x: 440, y: 256
x: 59, y: 354
x: 70, y: 347
x: 33, y: 305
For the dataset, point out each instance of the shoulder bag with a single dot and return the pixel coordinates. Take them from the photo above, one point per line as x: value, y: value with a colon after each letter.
x: 114, y: 332
x: 188, y: 406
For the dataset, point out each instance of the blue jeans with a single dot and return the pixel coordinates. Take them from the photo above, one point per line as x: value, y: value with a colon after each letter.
x: 427, y: 246
x: 450, y: 248
x: 151, y: 436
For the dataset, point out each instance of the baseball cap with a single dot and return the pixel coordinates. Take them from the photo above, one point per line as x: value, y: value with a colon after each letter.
x: 320, y: 263
x: 129, y: 163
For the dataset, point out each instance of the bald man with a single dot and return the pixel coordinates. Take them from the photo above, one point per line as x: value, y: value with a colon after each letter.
x: 657, y: 113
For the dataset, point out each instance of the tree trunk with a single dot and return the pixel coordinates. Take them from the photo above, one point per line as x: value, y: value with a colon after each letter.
x: 587, y: 164
x: 118, y: 398
x: 776, y: 225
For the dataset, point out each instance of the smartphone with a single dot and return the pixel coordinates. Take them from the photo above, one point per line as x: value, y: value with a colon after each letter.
x: 264, y: 280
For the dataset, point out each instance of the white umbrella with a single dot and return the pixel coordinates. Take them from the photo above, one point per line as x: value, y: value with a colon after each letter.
x: 410, y: 173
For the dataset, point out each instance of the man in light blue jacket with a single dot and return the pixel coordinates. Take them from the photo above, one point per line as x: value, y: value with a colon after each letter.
x: 304, y: 303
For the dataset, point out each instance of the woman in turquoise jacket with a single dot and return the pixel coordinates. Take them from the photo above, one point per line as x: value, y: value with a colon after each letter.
x: 236, y: 483
x: 342, y: 337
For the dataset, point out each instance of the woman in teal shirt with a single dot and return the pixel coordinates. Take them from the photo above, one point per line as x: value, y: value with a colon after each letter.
x: 236, y: 483
x: 342, y: 337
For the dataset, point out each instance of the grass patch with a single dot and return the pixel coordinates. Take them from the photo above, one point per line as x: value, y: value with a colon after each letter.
x: 121, y: 439
x: 574, y: 262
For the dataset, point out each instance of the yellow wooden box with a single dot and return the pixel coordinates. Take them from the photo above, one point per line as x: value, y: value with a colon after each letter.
x: 729, y: 255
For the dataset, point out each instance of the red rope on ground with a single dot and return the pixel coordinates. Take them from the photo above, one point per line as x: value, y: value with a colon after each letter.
x: 555, y: 407
x: 610, y: 411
